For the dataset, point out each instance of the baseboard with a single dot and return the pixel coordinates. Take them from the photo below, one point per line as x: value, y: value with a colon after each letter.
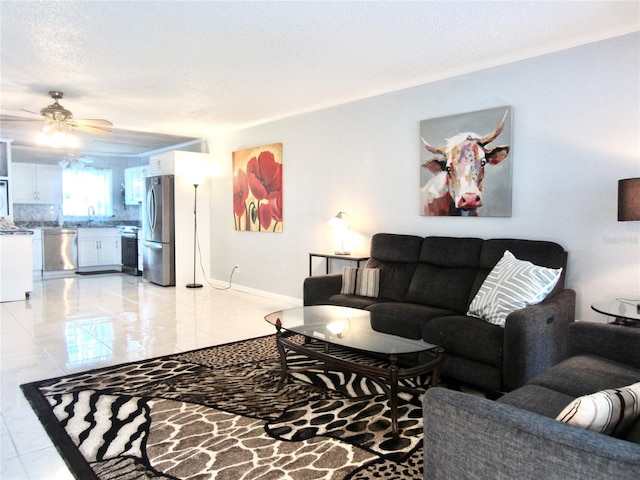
x: 260, y: 293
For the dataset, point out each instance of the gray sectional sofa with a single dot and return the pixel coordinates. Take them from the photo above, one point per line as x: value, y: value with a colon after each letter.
x: 427, y: 285
x: 469, y: 437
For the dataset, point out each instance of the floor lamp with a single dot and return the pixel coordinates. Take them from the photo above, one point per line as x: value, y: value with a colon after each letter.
x: 195, y: 236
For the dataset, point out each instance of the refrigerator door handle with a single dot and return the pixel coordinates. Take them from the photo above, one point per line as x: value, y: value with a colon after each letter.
x: 152, y: 208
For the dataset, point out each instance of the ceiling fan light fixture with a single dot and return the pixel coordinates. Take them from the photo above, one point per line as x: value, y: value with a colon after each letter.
x: 56, y: 137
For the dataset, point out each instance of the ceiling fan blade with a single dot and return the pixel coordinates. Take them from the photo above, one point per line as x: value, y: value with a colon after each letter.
x: 90, y: 129
x: 93, y: 122
x: 29, y: 111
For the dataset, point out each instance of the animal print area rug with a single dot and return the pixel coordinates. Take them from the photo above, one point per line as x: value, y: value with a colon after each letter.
x: 218, y: 413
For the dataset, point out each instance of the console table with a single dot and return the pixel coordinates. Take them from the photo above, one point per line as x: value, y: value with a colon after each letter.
x: 327, y: 256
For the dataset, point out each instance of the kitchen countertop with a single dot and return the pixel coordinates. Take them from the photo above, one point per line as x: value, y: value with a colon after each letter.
x: 116, y: 224
x: 20, y: 231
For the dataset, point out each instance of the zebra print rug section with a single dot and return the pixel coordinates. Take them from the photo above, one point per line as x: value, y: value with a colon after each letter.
x: 217, y: 413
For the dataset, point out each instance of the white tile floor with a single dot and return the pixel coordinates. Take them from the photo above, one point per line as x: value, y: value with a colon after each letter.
x: 75, y: 324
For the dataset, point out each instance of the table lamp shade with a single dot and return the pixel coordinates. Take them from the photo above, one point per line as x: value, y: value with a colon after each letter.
x: 629, y: 199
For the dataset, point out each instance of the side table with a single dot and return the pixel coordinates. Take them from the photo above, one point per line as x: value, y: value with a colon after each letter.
x: 327, y: 256
x: 625, y: 310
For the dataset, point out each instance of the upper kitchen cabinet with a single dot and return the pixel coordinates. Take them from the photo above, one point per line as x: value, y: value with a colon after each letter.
x: 5, y: 158
x: 36, y: 183
x: 192, y: 165
x: 5, y: 169
x: 134, y: 184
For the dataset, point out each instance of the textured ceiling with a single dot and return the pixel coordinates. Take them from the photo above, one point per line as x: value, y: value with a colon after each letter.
x: 194, y: 68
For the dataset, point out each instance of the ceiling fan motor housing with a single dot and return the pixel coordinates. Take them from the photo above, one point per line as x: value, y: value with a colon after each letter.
x: 56, y: 112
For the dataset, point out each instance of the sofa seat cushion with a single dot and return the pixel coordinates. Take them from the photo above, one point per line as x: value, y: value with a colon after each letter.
x: 537, y: 399
x: 347, y: 300
x: 585, y: 374
x: 467, y: 337
x: 403, y: 319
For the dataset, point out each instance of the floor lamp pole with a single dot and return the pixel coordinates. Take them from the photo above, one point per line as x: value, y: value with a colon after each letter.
x: 195, y: 236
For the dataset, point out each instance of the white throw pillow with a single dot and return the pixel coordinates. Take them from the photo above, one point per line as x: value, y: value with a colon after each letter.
x: 611, y: 412
x: 361, y: 281
x: 512, y: 284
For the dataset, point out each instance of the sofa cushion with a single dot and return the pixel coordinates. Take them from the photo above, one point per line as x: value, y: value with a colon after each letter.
x: 446, y: 288
x: 545, y: 254
x: 511, y: 285
x: 584, y: 374
x: 361, y: 281
x: 451, y: 252
x: 353, y: 301
x: 537, y: 399
x: 467, y: 337
x: 389, y: 247
x: 403, y: 319
x: 611, y: 411
x: 446, y: 273
x: 394, y: 278
x: 396, y: 256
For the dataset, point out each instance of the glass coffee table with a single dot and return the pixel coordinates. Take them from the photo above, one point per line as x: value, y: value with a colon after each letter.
x: 625, y: 310
x: 339, y: 331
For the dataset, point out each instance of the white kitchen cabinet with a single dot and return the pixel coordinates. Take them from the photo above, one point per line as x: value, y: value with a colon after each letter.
x: 16, y: 278
x: 36, y: 250
x: 99, y: 247
x: 134, y: 184
x: 6, y: 202
x: 192, y: 165
x: 36, y: 183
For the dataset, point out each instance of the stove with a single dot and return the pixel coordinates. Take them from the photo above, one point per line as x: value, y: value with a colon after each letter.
x: 130, y: 257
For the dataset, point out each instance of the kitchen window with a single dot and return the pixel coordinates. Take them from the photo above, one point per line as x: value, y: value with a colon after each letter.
x: 83, y: 189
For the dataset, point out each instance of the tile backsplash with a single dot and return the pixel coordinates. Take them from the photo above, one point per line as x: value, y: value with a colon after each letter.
x: 24, y: 213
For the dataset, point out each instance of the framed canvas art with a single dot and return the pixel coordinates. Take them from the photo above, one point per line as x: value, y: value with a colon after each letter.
x: 257, y: 189
x: 465, y: 164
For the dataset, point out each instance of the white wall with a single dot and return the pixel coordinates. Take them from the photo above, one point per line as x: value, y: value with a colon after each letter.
x: 576, y: 131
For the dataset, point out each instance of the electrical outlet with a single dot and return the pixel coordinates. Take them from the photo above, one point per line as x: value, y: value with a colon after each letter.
x: 237, y: 268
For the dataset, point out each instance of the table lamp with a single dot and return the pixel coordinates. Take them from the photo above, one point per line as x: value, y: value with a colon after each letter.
x: 341, y: 221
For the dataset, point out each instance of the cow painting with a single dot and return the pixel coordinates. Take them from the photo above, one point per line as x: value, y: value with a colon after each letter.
x: 457, y: 169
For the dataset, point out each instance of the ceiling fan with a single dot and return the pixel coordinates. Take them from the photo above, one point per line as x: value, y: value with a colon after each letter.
x: 74, y: 162
x: 59, y: 118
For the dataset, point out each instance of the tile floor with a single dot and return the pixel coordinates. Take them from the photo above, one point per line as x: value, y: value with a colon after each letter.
x: 76, y: 324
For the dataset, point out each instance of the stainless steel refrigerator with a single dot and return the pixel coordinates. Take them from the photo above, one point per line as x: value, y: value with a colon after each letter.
x: 158, y: 229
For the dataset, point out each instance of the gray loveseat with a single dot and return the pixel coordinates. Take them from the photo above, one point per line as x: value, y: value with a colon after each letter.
x: 469, y: 437
x: 427, y: 284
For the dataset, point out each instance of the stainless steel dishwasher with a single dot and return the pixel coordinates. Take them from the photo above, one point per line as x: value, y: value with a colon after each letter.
x: 59, y: 249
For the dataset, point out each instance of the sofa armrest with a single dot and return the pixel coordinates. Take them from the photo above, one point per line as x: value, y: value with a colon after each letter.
x: 615, y: 342
x: 469, y: 437
x: 319, y: 286
x: 535, y: 338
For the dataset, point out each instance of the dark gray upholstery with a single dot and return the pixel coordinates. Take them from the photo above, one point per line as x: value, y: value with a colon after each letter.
x: 469, y: 437
x: 428, y: 283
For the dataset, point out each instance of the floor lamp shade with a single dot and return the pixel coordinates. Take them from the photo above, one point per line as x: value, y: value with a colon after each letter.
x: 629, y: 199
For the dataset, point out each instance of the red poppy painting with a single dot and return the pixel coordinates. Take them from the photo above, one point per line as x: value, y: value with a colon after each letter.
x: 257, y: 189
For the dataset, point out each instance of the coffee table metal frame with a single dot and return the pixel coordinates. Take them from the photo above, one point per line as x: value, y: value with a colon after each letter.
x: 386, y: 377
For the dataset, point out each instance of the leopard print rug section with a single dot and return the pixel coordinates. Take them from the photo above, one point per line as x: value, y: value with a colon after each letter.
x: 218, y: 413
